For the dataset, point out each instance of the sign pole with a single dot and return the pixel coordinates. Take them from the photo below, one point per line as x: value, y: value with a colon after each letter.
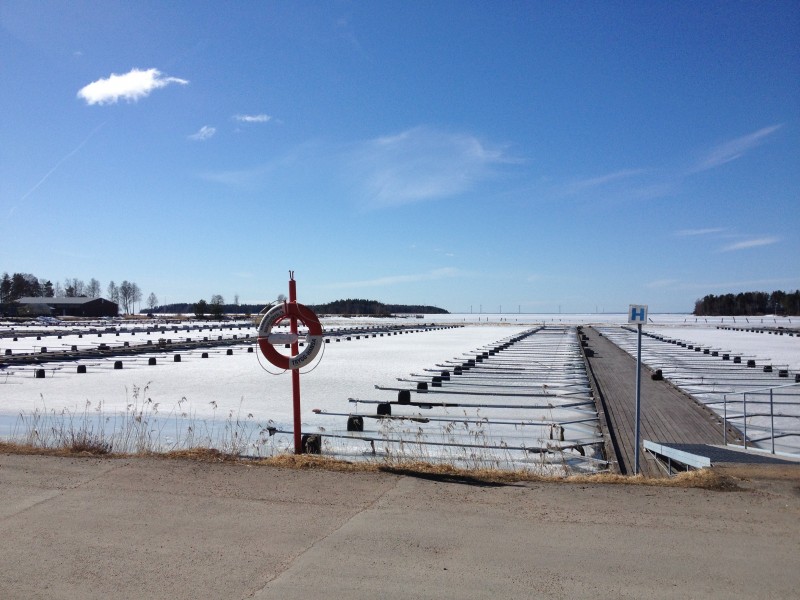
x: 297, y: 314
x: 637, y: 313
x: 298, y: 446
x: 638, y: 398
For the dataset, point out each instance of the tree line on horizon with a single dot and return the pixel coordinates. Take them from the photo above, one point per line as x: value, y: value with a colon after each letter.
x: 749, y: 304
x: 217, y: 307
x: 360, y: 306
x: 23, y: 285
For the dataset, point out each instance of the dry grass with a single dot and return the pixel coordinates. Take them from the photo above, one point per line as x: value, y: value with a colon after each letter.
x: 708, y: 479
x: 198, y: 454
x: 77, y: 449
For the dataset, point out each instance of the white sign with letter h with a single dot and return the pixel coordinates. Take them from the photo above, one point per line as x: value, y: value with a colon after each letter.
x: 637, y: 313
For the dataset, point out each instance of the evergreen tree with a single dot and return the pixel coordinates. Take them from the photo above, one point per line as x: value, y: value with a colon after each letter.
x: 200, y: 309
x: 5, y: 289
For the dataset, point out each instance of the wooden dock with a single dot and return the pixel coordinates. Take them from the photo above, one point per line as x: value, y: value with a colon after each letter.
x: 668, y: 415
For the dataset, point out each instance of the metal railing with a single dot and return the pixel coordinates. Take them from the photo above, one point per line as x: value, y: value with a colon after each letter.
x: 778, y: 397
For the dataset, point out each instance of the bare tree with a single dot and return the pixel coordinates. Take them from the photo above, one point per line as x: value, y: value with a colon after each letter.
x: 93, y: 289
x: 152, y: 301
x: 58, y: 290
x: 216, y: 305
x: 42, y: 284
x: 126, y: 296
x: 113, y: 292
x: 236, y: 299
x: 136, y: 295
x: 74, y: 288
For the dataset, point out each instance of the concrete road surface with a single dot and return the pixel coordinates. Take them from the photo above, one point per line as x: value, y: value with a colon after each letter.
x: 152, y: 528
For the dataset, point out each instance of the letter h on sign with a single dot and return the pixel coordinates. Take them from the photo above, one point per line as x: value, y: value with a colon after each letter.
x: 637, y: 313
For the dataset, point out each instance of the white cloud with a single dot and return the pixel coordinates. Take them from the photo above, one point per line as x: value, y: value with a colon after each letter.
x: 252, y: 118
x: 420, y: 164
x: 751, y: 243
x: 733, y: 149
x: 203, y: 134
x: 131, y: 86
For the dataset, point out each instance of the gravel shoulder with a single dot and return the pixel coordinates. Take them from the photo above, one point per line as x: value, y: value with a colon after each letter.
x: 155, y: 528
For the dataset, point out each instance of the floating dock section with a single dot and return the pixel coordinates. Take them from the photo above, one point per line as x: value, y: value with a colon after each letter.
x: 522, y: 402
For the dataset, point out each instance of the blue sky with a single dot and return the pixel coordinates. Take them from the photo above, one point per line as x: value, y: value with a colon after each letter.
x: 523, y: 156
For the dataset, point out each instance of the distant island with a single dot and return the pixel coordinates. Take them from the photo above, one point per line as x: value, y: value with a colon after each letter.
x: 344, y: 307
x: 749, y: 304
x: 373, y: 308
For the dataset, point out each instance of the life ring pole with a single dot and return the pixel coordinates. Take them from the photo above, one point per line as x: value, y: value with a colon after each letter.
x: 298, y: 447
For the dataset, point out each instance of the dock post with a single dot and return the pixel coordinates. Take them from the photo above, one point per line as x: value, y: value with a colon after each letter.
x: 771, y: 421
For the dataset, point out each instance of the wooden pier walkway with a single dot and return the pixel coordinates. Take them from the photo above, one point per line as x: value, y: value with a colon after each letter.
x: 667, y: 414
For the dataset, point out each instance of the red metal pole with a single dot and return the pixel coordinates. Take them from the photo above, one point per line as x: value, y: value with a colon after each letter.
x: 298, y: 446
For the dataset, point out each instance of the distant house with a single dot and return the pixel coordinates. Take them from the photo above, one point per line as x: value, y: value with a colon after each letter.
x: 68, y: 307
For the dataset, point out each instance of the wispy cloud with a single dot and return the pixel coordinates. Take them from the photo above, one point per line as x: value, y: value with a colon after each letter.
x: 345, y: 31
x: 251, y: 179
x: 418, y: 165
x: 252, y: 118
x: 59, y: 163
x: 721, y: 233
x: 709, y: 286
x: 751, y: 243
x: 700, y: 232
x: 433, y: 275
x: 594, y: 182
x: 617, y: 187
x: 421, y: 164
x: 203, y: 134
x: 647, y: 184
x: 734, y: 285
x: 130, y: 86
x: 733, y: 149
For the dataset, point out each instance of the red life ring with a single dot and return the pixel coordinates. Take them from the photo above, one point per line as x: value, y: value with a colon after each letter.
x: 314, y: 338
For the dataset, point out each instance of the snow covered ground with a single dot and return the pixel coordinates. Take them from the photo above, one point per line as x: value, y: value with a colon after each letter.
x: 238, y: 391
x: 234, y: 399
